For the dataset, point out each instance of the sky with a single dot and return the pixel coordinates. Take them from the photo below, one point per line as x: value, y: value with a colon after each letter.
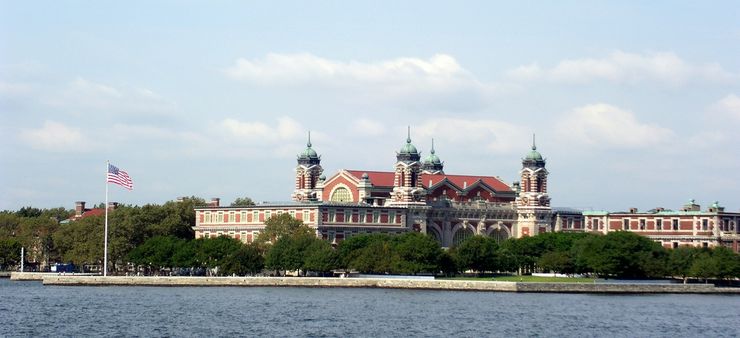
x: 633, y: 103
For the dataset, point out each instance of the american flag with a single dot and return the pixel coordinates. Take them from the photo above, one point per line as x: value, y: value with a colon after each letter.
x: 119, y: 177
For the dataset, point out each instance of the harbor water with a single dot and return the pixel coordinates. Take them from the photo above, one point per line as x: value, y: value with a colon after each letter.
x: 31, y: 309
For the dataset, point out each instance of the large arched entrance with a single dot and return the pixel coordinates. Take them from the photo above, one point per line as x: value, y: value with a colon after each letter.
x: 461, y: 235
x: 499, y: 235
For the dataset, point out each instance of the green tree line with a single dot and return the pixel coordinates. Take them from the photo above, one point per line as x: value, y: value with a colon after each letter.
x: 157, y: 238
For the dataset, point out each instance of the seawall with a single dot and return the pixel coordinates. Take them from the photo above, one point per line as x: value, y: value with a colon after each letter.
x: 458, y: 285
x: 39, y: 276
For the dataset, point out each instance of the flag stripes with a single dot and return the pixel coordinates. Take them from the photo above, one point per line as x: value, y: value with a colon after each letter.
x: 120, y: 177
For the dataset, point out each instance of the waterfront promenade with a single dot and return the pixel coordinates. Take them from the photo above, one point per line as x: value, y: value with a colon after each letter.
x: 458, y: 285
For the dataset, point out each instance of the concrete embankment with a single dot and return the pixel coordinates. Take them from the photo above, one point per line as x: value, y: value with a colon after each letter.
x: 460, y: 285
x: 39, y: 276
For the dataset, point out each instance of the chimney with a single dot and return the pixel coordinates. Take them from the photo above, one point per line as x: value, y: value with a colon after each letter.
x: 79, y: 208
x: 215, y: 202
x: 112, y: 205
x: 659, y: 209
x: 633, y: 210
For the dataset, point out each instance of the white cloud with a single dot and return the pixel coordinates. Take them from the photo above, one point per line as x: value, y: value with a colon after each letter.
x: 367, y: 127
x: 623, y: 67
x: 494, y: 136
x: 82, y: 95
x: 8, y: 89
x: 439, y: 82
x: 729, y: 106
x: 307, y: 68
x: 287, y: 129
x: 256, y: 138
x: 604, y: 125
x: 55, y: 137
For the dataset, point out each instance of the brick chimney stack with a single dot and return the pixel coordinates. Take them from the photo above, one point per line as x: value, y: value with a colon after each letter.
x: 79, y: 208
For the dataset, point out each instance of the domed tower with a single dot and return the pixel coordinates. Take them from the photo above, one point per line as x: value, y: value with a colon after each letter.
x: 432, y: 164
x: 307, y: 173
x: 407, y: 183
x: 533, y: 201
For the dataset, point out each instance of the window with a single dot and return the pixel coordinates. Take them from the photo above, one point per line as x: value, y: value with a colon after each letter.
x: 243, y: 217
x: 675, y: 224
x: 658, y: 224
x: 220, y: 217
x: 704, y: 245
x: 305, y: 216
x: 596, y: 223
x: 332, y: 216
x: 642, y: 224
x: 292, y: 213
x: 208, y: 217
x: 675, y: 245
x: 363, y: 216
x: 348, y: 216
x: 341, y: 194
x: 376, y: 216
x: 267, y: 214
x: 392, y: 217
x: 705, y: 224
x: 625, y: 224
x: 232, y: 217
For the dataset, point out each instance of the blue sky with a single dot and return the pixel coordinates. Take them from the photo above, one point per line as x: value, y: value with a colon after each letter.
x: 635, y: 104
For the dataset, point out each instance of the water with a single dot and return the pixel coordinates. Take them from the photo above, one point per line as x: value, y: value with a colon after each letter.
x: 30, y: 309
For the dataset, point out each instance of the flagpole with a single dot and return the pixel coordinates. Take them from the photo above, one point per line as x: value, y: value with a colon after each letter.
x: 105, y: 246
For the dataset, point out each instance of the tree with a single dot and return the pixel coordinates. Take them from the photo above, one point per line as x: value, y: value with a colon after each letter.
x: 557, y: 261
x: 81, y: 241
x: 415, y: 252
x: 478, y: 253
x: 245, y: 260
x: 720, y: 263
x: 211, y: 252
x: 680, y: 261
x: 10, y: 253
x: 156, y: 252
x: 279, y: 226
x: 242, y: 202
x: 320, y: 257
x: 623, y: 254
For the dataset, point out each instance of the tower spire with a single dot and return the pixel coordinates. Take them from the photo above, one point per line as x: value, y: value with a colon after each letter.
x: 534, y: 146
x: 308, y: 144
x: 408, y: 134
x: 432, y: 150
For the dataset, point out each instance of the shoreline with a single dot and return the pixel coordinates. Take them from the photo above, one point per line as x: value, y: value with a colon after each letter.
x: 385, y: 283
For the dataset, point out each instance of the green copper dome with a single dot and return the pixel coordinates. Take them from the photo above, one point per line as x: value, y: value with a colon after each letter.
x: 309, y: 156
x: 534, y: 155
x: 534, y: 159
x: 432, y: 158
x: 408, y: 148
x: 408, y: 152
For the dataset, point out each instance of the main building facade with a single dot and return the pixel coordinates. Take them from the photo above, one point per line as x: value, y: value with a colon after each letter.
x: 417, y: 195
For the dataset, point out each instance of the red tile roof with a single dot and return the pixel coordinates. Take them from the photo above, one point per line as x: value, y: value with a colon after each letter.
x: 93, y: 212
x: 385, y: 179
x: 377, y: 178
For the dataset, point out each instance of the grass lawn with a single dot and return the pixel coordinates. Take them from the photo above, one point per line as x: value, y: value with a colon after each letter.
x: 529, y: 279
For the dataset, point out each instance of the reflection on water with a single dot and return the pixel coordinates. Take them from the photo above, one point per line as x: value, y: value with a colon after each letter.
x: 30, y: 309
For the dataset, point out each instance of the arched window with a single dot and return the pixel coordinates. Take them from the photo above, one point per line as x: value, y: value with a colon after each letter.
x: 499, y: 235
x: 341, y: 194
x: 461, y: 235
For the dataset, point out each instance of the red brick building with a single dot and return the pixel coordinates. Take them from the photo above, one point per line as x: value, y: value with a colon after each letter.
x: 417, y: 195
